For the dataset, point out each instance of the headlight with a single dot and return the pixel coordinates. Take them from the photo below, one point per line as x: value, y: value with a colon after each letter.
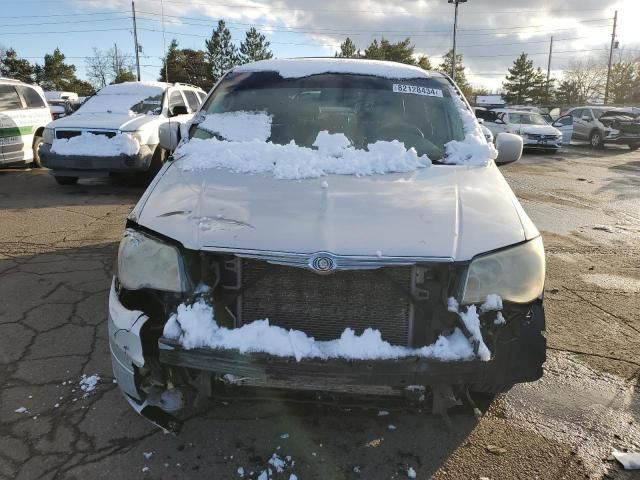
x: 144, y: 262
x: 516, y: 274
x: 47, y: 135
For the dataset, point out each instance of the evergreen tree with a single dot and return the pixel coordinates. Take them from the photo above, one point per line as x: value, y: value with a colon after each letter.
x: 568, y: 93
x: 13, y: 67
x: 222, y: 54
x: 81, y: 87
x: 348, y: 49
x: 424, y: 63
x: 255, y: 47
x: 186, y: 66
x: 461, y: 77
x: 524, y: 82
x: 401, y: 51
x: 625, y: 82
x: 55, y: 74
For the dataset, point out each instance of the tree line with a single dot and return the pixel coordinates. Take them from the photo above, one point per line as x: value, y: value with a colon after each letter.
x: 583, y: 81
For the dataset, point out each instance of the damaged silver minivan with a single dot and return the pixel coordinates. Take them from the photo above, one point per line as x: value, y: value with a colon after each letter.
x: 328, y: 225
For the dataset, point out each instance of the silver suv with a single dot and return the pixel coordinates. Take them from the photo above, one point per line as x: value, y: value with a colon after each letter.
x: 589, y: 125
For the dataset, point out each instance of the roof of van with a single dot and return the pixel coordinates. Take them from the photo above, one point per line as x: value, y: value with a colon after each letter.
x: 304, y: 67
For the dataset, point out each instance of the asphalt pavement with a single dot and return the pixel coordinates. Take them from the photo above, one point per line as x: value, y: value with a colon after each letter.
x: 57, y: 249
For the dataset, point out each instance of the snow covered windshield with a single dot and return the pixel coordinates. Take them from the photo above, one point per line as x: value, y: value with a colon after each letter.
x: 418, y: 112
x: 131, y: 101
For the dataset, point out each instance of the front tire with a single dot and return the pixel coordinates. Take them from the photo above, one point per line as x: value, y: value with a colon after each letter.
x: 159, y: 159
x: 37, y: 141
x: 595, y: 139
x: 66, y: 180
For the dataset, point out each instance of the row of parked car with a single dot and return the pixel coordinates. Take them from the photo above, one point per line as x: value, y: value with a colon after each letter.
x: 131, y: 113
x: 598, y: 125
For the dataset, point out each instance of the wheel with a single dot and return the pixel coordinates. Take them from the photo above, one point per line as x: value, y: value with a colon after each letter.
x: 634, y: 146
x: 66, y: 180
x: 37, y: 141
x: 595, y: 139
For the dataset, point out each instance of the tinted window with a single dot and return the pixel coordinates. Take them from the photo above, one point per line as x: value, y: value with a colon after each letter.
x: 577, y: 113
x: 568, y: 120
x: 176, y: 100
x: 192, y: 98
x: 9, y: 99
x: 417, y: 112
x: 33, y: 98
x: 202, y: 96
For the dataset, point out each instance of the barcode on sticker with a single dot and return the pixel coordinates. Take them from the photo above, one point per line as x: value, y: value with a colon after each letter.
x: 416, y: 90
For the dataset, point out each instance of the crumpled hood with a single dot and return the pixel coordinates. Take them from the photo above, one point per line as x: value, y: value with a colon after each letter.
x: 539, y: 129
x: 452, y: 212
x: 111, y: 121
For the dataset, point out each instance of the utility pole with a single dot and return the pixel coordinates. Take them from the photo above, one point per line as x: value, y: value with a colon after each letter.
x: 135, y: 38
x: 455, y: 31
x: 115, y: 59
x: 613, y: 44
x: 549, y: 67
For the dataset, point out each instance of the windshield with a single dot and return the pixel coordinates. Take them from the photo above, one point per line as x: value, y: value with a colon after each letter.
x: 144, y: 102
x: 417, y: 112
x: 527, y: 118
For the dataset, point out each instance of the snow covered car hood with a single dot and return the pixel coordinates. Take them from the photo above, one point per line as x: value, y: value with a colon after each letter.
x: 538, y: 129
x: 449, y: 212
x: 111, y: 121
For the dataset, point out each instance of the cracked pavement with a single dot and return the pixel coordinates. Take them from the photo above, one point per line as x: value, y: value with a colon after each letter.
x: 57, y: 250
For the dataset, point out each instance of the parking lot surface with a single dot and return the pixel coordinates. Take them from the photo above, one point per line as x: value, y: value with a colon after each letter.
x: 57, y: 249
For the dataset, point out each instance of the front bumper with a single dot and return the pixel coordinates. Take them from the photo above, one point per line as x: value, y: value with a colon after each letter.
x: 71, y: 165
x: 623, y: 140
x: 542, y: 145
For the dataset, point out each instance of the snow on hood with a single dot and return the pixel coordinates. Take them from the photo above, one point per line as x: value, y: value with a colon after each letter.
x: 539, y: 129
x: 88, y: 144
x: 304, y: 67
x: 194, y: 326
x: 334, y: 155
x: 238, y: 126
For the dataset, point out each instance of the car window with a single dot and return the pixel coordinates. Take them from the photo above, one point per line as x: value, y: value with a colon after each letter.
x: 420, y: 113
x: 527, y: 119
x: 192, y: 99
x: 587, y: 113
x: 568, y: 120
x: 33, y: 98
x: 202, y: 96
x: 577, y: 113
x: 176, y: 100
x: 9, y: 99
x: 598, y: 112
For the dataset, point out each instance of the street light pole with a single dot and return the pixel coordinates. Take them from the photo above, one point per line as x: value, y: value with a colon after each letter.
x: 455, y: 31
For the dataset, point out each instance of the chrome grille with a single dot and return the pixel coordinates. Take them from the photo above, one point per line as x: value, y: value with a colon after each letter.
x: 322, y: 306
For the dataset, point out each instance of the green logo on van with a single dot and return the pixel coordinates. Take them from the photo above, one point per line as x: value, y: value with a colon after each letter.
x: 15, y: 131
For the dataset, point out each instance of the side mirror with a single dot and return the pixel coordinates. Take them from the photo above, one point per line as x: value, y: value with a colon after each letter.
x: 169, y: 134
x: 509, y: 148
x: 499, y: 121
x: 178, y: 110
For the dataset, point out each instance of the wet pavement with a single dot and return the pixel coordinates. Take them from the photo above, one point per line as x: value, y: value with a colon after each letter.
x: 57, y: 247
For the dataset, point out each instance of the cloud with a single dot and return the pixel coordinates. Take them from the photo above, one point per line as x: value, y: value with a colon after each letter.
x: 491, y: 32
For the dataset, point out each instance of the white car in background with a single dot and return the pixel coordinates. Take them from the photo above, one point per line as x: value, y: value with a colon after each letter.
x: 536, y: 133
x: 23, y: 115
x: 117, y: 130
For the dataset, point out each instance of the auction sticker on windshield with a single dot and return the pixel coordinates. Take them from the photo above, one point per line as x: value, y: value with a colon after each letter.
x: 416, y: 90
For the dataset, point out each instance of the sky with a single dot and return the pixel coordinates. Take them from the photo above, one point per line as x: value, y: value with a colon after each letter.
x: 491, y: 33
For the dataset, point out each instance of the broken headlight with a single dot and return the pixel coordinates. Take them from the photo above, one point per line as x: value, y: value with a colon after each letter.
x: 144, y: 262
x: 516, y: 274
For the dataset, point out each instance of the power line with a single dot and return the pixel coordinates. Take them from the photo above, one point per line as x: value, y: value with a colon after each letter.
x: 115, y: 12
x: 65, y: 22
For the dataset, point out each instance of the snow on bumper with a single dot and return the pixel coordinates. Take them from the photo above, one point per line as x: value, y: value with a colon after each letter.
x: 78, y: 163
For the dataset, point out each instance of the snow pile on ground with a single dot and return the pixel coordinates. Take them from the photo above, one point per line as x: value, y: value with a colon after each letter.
x: 21, y: 410
x: 238, y: 126
x: 88, y: 144
x: 194, y: 326
x: 334, y: 155
x: 88, y: 383
x: 303, y: 67
x: 474, y: 149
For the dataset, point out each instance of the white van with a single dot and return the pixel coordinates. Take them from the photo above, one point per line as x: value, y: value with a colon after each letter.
x: 23, y: 115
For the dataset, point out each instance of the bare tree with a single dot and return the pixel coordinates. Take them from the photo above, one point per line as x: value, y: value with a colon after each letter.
x: 110, y: 66
x: 588, y: 77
